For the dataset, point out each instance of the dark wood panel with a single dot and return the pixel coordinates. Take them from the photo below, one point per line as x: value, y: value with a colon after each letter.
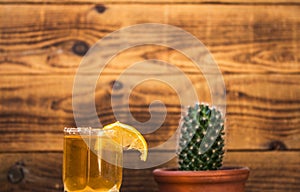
x: 42, y: 172
x: 53, y: 38
x: 261, y: 109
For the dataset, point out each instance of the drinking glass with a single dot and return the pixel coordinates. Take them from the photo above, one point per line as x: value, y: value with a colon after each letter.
x: 92, y: 161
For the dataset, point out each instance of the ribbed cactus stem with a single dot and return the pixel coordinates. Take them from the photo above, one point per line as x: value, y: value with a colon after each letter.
x: 201, y: 143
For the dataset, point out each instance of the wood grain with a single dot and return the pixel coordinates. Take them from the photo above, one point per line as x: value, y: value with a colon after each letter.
x: 36, y: 107
x: 156, y: 1
x: 284, y: 177
x: 42, y: 172
x: 255, y: 43
x: 41, y: 39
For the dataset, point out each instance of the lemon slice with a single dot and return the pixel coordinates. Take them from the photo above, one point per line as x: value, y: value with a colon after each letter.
x: 128, y: 137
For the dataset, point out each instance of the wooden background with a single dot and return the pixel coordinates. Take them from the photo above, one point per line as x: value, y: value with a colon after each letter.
x: 255, y: 43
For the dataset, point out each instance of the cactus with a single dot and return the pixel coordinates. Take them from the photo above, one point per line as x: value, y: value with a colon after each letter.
x: 201, y: 142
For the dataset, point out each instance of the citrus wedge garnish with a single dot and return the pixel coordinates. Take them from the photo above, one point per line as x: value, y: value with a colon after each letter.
x: 128, y: 137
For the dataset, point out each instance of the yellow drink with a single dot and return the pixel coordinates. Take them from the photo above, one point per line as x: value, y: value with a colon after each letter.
x: 91, y: 163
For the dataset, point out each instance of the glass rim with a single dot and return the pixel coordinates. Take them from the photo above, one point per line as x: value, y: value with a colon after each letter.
x: 82, y: 130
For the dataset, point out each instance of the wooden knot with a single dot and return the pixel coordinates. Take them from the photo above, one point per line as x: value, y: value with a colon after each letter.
x: 80, y: 48
x: 277, y: 146
x: 116, y: 85
x: 15, y: 173
x: 100, y: 8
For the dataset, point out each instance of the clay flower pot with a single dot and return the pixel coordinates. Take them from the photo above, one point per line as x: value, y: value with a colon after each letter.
x: 228, y: 179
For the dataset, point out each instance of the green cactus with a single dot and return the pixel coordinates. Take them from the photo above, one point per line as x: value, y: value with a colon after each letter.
x: 201, y: 142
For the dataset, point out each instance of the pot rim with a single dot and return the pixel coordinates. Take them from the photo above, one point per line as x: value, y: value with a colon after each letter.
x: 228, y: 170
x: 225, y: 174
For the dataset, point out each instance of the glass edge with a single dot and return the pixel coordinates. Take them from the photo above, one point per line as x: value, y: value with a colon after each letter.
x: 80, y: 130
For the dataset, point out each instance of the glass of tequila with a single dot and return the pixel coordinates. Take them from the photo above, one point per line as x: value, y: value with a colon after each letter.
x: 92, y: 161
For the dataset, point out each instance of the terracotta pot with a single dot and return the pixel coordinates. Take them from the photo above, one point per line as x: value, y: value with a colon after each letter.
x: 228, y: 179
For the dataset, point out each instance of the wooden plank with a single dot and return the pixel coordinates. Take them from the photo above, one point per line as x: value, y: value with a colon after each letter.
x: 270, y: 171
x: 42, y: 172
x: 31, y: 172
x: 156, y: 1
x: 261, y: 109
x: 39, y: 39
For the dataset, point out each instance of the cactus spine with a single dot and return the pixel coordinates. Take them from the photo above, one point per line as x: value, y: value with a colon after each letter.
x: 201, y: 142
